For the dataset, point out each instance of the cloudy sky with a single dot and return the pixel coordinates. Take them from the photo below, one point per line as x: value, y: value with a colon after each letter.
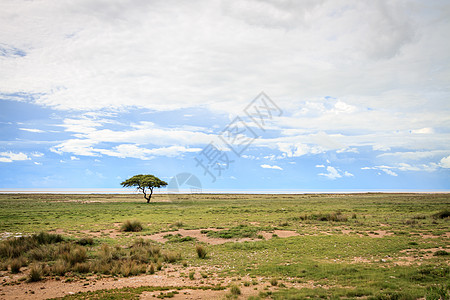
x: 95, y: 91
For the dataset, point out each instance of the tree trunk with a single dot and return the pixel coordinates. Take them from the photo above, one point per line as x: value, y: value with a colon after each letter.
x: 149, y: 196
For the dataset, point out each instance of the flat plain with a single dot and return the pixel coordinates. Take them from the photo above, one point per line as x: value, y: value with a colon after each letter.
x: 225, y: 246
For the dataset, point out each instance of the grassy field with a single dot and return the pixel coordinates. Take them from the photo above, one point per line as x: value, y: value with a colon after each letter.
x: 376, y: 246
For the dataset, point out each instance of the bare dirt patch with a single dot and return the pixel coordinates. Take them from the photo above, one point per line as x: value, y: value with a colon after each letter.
x: 187, y: 294
x: 202, y: 237
x: 373, y: 234
x: 431, y: 236
x: 168, y: 278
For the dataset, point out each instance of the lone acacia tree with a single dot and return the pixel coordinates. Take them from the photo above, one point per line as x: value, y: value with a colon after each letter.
x: 144, y: 183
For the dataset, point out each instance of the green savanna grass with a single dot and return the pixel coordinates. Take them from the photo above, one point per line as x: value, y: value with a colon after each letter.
x: 321, y: 253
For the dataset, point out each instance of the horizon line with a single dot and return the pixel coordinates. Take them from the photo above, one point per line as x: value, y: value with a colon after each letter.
x: 282, y: 191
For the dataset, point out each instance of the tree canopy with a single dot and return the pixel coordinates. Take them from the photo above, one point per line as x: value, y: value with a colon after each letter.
x: 144, y: 183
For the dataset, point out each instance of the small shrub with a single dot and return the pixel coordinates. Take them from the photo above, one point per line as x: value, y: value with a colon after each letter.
x: 85, y: 241
x: 151, y: 269
x: 177, y: 224
x: 171, y: 257
x: 235, y: 290
x: 82, y: 267
x: 158, y: 266
x: 440, y: 253
x: 154, y: 250
x: 131, y: 226
x: 192, y: 275
x: 131, y: 268
x: 75, y: 255
x: 104, y: 254
x: 442, y: 214
x: 101, y: 267
x: 60, y: 268
x: 47, y: 238
x: 201, y: 251
x: 42, y: 253
x: 15, y: 247
x: 16, y: 264
x: 35, y: 274
x: 274, y: 281
x: 410, y: 222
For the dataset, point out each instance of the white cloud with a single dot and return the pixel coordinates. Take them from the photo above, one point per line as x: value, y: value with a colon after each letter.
x: 172, y: 70
x: 265, y: 166
x: 74, y: 158
x: 445, y: 162
x: 142, y: 140
x: 134, y: 151
x: 37, y: 163
x: 11, y: 156
x: 405, y: 167
x: 76, y: 146
x: 332, y: 173
x: 37, y: 154
x: 160, y: 66
x: 413, y: 155
x: 378, y: 147
x: 296, y: 149
x: 347, y: 150
x: 426, y: 130
x: 389, y: 172
x: 32, y: 130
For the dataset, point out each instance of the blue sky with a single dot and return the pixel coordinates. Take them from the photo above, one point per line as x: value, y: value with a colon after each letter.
x: 94, y: 92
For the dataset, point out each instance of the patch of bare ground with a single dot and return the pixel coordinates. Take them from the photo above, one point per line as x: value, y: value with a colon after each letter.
x: 431, y: 236
x: 168, y: 278
x: 373, y: 234
x: 358, y: 260
x: 187, y: 294
x: 408, y: 257
x: 202, y: 237
x: 417, y: 256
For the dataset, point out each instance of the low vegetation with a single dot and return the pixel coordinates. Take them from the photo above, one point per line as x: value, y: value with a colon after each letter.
x: 131, y: 226
x: 240, y: 231
x: 201, y: 251
x: 51, y: 255
x: 442, y: 214
x: 367, y: 246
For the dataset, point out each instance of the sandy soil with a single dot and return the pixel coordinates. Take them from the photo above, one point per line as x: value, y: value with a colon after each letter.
x: 168, y: 278
x: 408, y: 257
